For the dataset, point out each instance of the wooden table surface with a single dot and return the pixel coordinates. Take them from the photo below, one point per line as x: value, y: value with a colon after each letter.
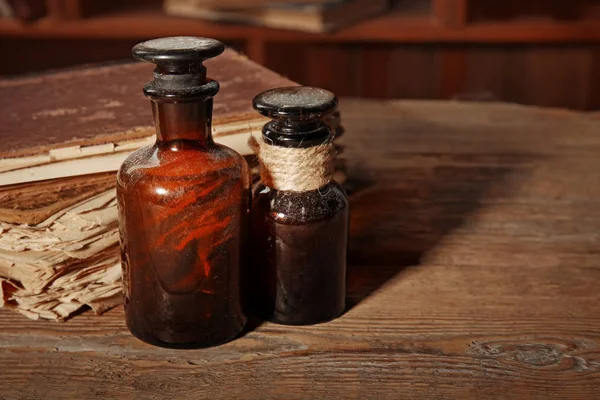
x: 474, y: 272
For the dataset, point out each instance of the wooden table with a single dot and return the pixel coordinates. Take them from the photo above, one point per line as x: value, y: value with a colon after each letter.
x: 474, y: 273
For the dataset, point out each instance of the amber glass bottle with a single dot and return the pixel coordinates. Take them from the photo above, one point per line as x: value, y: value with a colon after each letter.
x: 183, y: 209
x: 299, y: 214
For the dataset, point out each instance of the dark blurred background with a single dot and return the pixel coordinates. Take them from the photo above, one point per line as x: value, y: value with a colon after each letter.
x: 532, y: 52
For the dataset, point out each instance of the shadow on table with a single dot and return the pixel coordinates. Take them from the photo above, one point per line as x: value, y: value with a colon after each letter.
x: 395, y: 223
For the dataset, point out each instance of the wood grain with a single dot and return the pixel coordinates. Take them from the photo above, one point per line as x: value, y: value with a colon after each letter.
x: 64, y: 9
x: 557, y: 76
x: 333, y: 66
x: 473, y: 274
x: 454, y: 72
x: 451, y: 13
x: 412, y: 73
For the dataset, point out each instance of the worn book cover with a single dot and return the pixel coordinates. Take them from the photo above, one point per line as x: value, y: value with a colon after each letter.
x: 87, y: 120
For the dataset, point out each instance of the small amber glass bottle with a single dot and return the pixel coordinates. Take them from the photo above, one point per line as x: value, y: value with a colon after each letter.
x: 183, y: 209
x: 299, y: 214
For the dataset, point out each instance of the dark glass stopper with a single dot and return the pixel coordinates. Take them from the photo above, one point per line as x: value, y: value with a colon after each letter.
x: 179, y: 73
x: 297, y: 113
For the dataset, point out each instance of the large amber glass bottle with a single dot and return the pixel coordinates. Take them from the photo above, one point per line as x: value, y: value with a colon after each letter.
x: 183, y: 209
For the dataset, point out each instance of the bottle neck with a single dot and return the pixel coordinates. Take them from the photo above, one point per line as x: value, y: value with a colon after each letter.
x: 183, y: 121
x: 297, y: 133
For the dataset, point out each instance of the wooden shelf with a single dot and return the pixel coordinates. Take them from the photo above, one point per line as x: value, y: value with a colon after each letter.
x: 136, y: 24
x: 394, y: 27
x: 420, y: 49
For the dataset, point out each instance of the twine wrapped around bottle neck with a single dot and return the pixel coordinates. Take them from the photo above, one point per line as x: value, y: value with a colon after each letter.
x: 294, y: 169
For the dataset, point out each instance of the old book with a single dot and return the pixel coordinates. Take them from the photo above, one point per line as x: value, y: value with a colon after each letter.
x: 320, y: 17
x: 32, y: 203
x: 101, y: 116
x: 6, y: 10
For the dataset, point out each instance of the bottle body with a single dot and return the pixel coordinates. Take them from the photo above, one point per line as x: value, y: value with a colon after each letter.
x: 183, y: 212
x: 299, y: 244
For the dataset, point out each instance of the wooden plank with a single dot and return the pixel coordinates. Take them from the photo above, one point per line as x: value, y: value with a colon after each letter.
x: 473, y: 274
x: 65, y: 9
x: 333, y: 68
x: 256, y: 50
x: 413, y: 72
x: 393, y: 27
x: 555, y: 76
x: 376, y: 68
x: 492, y: 74
x: 482, y: 10
x: 454, y: 71
x: 594, y: 85
x: 568, y: 69
x: 289, y: 59
x: 451, y: 13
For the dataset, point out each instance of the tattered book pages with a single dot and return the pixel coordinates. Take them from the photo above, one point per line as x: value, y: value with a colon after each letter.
x: 52, y: 269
